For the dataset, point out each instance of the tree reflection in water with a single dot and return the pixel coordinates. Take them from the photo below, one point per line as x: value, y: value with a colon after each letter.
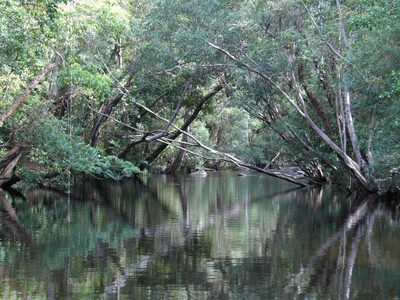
x: 360, y: 222
x: 185, y: 238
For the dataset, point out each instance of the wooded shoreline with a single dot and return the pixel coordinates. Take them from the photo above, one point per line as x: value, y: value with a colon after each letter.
x: 112, y: 90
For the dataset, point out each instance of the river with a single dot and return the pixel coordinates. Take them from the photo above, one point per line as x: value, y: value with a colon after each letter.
x: 182, y: 237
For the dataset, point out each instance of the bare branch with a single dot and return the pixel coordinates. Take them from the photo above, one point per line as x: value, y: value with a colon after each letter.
x: 320, y: 32
x: 262, y: 75
x: 179, y: 104
x: 116, y: 120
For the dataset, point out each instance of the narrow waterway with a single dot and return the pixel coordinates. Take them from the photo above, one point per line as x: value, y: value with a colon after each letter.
x: 215, y: 237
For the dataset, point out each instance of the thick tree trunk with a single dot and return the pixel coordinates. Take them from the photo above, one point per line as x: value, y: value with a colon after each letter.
x: 104, y: 113
x: 8, y: 164
x: 13, y: 153
x: 53, y: 89
x: 116, y: 55
x: 176, y: 164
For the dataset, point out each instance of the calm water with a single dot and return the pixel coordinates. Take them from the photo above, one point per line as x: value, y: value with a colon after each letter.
x: 219, y: 237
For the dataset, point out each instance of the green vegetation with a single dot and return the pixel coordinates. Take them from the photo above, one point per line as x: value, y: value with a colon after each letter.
x: 109, y: 88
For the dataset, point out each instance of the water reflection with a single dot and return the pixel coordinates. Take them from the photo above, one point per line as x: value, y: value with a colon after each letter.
x: 345, y: 244
x: 222, y: 236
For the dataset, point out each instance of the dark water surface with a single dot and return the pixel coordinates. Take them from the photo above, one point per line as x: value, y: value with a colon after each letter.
x: 219, y: 237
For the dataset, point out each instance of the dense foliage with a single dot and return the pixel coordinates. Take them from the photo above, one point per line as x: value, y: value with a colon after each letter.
x: 311, y: 83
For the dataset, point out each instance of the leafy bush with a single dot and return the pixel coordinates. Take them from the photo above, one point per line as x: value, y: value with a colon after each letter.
x: 65, y: 155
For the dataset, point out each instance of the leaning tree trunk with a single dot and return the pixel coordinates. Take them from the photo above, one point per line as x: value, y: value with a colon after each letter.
x: 176, y: 164
x: 347, y: 161
x: 103, y: 114
x: 8, y: 164
x: 31, y: 87
x: 156, y: 153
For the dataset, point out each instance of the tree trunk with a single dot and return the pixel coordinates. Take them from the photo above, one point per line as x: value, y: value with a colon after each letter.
x: 154, y: 155
x: 351, y: 130
x: 13, y: 153
x: 116, y: 55
x: 32, y: 86
x: 318, y: 109
x: 7, y: 164
x: 104, y: 113
x: 348, y: 162
x: 176, y: 164
x: 53, y: 89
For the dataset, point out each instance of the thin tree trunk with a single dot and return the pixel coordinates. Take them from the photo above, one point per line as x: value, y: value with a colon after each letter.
x: 272, y: 161
x: 315, y: 104
x: 341, y: 123
x: 346, y: 95
x: 119, y: 54
x: 116, y: 55
x: 180, y: 101
x: 351, y: 130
